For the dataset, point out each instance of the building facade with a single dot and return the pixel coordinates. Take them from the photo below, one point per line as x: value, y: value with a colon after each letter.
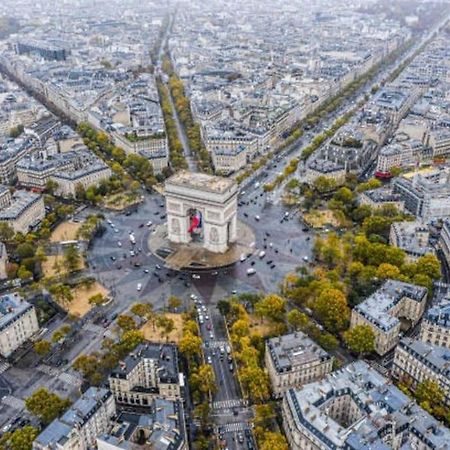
x: 383, y: 310
x: 78, y: 428
x: 357, y: 408
x: 293, y: 360
x: 18, y: 322
x: 150, y: 371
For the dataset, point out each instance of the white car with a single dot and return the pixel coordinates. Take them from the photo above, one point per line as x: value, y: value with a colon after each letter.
x: 149, y: 223
x: 119, y: 244
x: 209, y: 360
x: 195, y: 276
x: 211, y: 335
x: 139, y: 286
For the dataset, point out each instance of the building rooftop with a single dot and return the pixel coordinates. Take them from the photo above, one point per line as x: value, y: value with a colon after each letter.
x: 201, y: 181
x: 435, y: 357
x: 166, y: 356
x: 377, y: 308
x: 294, y: 349
x: 59, y: 431
x: 20, y: 201
x: 11, y: 307
x: 378, y: 406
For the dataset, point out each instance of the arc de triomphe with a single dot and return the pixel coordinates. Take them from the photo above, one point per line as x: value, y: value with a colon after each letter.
x: 201, y: 208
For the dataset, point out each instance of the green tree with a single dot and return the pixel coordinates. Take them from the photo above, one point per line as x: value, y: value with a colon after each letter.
x: 130, y: 340
x: 324, y: 184
x: 97, y: 299
x: 429, y: 391
x: 190, y: 345
x: 166, y: 324
x: 174, y: 302
x: 61, y: 333
x: 224, y: 307
x: 208, y: 379
x: 42, y: 347
x: 272, y: 307
x: 24, y: 274
x: 360, y: 339
x: 126, y: 322
x: 25, y: 250
x: 328, y: 341
x: 331, y: 308
x: 297, y: 319
x: 19, y: 439
x: 72, y: 257
x: 46, y: 405
x: 272, y: 440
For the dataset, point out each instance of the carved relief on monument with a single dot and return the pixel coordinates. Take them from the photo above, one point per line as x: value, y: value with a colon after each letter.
x: 212, y: 215
x: 173, y: 206
x: 175, y: 226
x: 214, y: 235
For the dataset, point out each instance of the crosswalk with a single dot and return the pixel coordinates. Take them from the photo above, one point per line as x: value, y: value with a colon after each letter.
x: 14, y: 402
x: 4, y: 366
x: 233, y: 427
x: 227, y: 404
x: 71, y: 379
x: 218, y: 344
x: 92, y: 327
x: 52, y: 371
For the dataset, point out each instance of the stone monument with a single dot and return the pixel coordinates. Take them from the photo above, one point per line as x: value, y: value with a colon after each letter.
x: 201, y: 208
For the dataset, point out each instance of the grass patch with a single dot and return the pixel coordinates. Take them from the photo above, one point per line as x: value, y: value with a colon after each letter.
x: 66, y: 231
x: 319, y: 219
x: 155, y: 334
x: 55, y: 265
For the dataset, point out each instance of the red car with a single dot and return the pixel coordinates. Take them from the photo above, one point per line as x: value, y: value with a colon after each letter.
x: 208, y: 326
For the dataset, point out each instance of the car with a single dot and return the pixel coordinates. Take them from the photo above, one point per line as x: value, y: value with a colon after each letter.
x: 156, y: 213
x: 229, y: 359
x: 251, y: 271
x: 146, y: 271
x: 228, y: 349
x: 119, y: 244
x: 137, y: 264
x: 235, y: 412
x: 163, y: 216
x: 240, y: 437
x: 158, y: 267
x: 245, y: 215
x: 206, y: 317
x: 113, y: 258
x: 119, y: 267
x: 252, y: 263
x: 116, y: 230
x: 234, y: 292
x: 209, y: 359
x: 195, y: 276
x: 132, y: 253
x: 149, y: 223
x: 273, y: 266
x: 269, y: 262
x: 257, y: 218
x: 208, y: 326
x: 141, y: 225
x: 139, y: 286
x: 211, y: 335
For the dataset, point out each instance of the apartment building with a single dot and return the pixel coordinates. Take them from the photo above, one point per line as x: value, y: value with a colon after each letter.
x: 162, y: 428
x: 227, y: 161
x: 426, y: 195
x: 293, y: 360
x: 325, y: 168
x: 86, y: 176
x: 3, y: 261
x: 10, y: 154
x: 377, y: 198
x: 444, y: 239
x: 22, y: 210
x: 78, y: 428
x: 357, y: 408
x: 435, y: 326
x: 150, y: 371
x: 417, y: 361
x: 18, y: 322
x: 384, y: 308
x: 412, y: 237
